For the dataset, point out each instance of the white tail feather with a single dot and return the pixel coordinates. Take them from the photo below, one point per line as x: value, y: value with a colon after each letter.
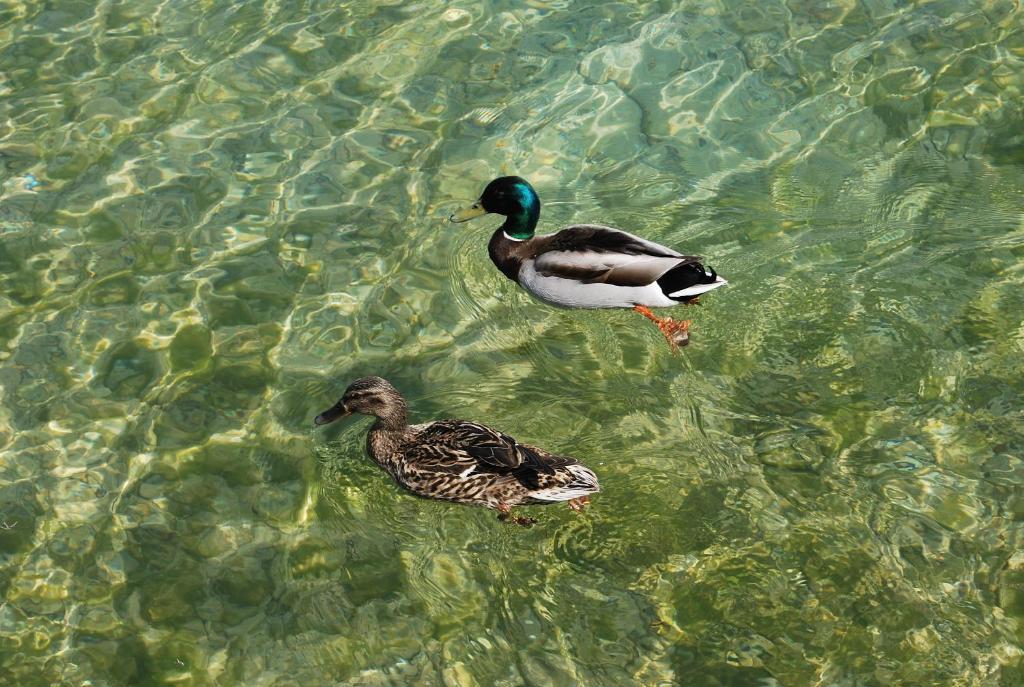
x: 584, y: 482
x: 559, y: 494
x: 698, y: 289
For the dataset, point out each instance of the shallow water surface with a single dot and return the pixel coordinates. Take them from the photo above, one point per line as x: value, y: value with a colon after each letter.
x: 213, y: 216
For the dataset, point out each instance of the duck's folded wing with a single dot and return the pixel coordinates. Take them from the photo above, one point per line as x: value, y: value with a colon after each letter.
x: 459, y: 440
x: 466, y: 448
x: 593, y: 254
x: 607, y: 268
x: 596, y: 238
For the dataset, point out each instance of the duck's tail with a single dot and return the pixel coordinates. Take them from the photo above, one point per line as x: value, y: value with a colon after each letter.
x: 688, y: 280
x: 569, y: 482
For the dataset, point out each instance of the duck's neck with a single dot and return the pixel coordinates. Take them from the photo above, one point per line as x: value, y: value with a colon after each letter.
x: 521, y: 225
x: 387, y: 435
x: 393, y: 417
x: 504, y: 253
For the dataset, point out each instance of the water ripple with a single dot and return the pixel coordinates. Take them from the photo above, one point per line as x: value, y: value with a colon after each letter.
x: 211, y: 222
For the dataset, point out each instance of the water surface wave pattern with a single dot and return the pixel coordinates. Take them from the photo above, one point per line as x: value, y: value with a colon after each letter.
x: 215, y: 215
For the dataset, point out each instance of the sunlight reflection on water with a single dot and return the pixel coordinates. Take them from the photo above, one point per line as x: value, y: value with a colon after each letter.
x: 212, y: 220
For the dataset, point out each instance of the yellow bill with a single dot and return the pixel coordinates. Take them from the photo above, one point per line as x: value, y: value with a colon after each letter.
x: 466, y: 214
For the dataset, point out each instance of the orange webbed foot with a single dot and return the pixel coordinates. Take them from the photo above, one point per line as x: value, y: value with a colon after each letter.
x: 578, y: 503
x: 505, y: 515
x: 677, y: 332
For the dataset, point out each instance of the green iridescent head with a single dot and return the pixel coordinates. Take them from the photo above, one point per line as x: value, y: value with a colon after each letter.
x: 509, y: 196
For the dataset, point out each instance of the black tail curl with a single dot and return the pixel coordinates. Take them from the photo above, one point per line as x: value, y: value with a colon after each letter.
x: 683, y: 277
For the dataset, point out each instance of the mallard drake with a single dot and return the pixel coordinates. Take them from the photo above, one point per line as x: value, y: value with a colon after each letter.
x: 588, y: 265
x: 457, y: 460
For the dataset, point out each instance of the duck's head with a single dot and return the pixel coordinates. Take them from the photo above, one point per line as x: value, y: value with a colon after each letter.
x: 369, y: 396
x: 509, y: 196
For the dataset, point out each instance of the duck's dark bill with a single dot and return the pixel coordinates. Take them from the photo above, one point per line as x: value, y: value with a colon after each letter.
x: 331, y: 414
x: 465, y: 214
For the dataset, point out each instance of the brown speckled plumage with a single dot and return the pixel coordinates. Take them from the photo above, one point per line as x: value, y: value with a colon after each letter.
x: 457, y: 460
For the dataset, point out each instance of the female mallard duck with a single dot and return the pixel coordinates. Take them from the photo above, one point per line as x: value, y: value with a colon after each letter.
x: 461, y: 461
x: 588, y: 265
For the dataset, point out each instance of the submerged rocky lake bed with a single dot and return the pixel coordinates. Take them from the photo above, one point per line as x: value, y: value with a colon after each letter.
x: 214, y: 216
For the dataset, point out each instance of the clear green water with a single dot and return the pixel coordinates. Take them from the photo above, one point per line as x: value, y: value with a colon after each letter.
x: 238, y: 208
